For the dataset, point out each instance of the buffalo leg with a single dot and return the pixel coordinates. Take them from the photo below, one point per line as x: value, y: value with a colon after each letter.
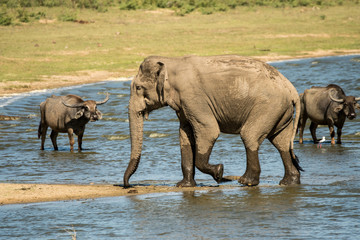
x: 80, y: 137
x: 71, y: 139
x: 302, y: 123
x: 332, y: 134
x: 313, y: 127
x: 187, y: 145
x: 53, y: 137
x: 43, y: 135
x: 339, y: 132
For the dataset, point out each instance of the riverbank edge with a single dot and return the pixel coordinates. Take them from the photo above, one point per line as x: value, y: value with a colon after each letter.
x: 23, y: 193
x: 79, y: 78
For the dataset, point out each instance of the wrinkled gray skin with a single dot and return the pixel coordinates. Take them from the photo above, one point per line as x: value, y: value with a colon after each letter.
x: 67, y: 114
x: 229, y: 94
x: 326, y: 106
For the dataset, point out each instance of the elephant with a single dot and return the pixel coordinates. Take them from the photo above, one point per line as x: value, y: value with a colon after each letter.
x: 211, y: 94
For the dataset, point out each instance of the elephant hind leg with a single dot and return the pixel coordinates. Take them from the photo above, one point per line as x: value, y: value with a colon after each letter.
x: 251, y: 176
x: 282, y: 142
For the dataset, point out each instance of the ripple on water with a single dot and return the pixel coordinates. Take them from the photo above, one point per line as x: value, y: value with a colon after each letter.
x: 158, y: 135
x: 117, y: 137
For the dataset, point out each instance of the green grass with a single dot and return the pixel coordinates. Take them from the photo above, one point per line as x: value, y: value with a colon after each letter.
x: 117, y: 41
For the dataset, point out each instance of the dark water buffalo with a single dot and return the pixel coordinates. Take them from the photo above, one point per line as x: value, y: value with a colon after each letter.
x: 229, y: 94
x: 67, y: 114
x: 326, y: 106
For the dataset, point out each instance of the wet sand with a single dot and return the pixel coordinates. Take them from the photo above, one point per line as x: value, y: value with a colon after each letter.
x: 14, y: 193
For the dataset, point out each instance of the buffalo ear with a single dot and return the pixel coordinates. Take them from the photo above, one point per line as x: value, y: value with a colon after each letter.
x: 357, y: 106
x: 99, y: 114
x: 162, y: 83
x: 338, y: 108
x: 79, y: 113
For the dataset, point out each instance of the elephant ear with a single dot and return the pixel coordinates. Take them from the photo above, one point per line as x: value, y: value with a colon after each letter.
x: 162, y: 84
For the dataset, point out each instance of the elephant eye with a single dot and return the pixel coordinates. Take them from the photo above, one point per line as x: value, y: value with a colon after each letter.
x: 138, y: 88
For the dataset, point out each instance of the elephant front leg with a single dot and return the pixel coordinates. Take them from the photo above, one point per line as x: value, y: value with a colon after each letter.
x: 187, y: 144
x: 204, y: 143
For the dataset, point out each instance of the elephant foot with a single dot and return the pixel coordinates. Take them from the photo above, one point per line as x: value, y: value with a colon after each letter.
x: 218, y: 173
x: 248, y: 181
x: 186, y: 183
x: 290, y: 180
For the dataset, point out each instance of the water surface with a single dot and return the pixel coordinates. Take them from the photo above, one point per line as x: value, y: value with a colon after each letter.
x: 325, y: 205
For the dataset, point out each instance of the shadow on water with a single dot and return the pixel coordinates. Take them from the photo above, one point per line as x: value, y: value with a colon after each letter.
x: 325, y: 205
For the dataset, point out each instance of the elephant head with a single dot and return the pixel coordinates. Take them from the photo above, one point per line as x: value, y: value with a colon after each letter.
x: 148, y: 92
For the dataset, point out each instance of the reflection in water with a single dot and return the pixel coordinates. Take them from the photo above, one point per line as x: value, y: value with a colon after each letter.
x: 325, y: 205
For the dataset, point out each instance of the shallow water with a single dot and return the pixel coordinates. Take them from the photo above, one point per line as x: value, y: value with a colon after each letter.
x: 325, y: 205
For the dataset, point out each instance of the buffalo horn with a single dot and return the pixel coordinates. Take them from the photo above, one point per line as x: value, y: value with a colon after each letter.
x: 335, y: 99
x: 73, y: 106
x: 103, y: 101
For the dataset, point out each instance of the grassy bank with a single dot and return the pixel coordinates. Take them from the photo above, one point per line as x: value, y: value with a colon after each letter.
x: 115, y: 42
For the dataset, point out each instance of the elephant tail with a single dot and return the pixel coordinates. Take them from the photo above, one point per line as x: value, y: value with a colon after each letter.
x: 294, y: 158
x: 295, y: 161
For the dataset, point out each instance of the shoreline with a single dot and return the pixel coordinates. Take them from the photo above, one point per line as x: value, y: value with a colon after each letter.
x: 7, y: 89
x: 23, y: 193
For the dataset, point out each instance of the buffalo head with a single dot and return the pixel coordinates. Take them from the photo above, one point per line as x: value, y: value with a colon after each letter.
x: 88, y: 108
x: 348, y: 104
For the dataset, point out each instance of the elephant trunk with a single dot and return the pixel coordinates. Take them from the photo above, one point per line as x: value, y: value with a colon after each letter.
x: 136, y: 122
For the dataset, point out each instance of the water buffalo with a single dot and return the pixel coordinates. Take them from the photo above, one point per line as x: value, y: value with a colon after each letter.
x: 67, y: 114
x: 326, y: 106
